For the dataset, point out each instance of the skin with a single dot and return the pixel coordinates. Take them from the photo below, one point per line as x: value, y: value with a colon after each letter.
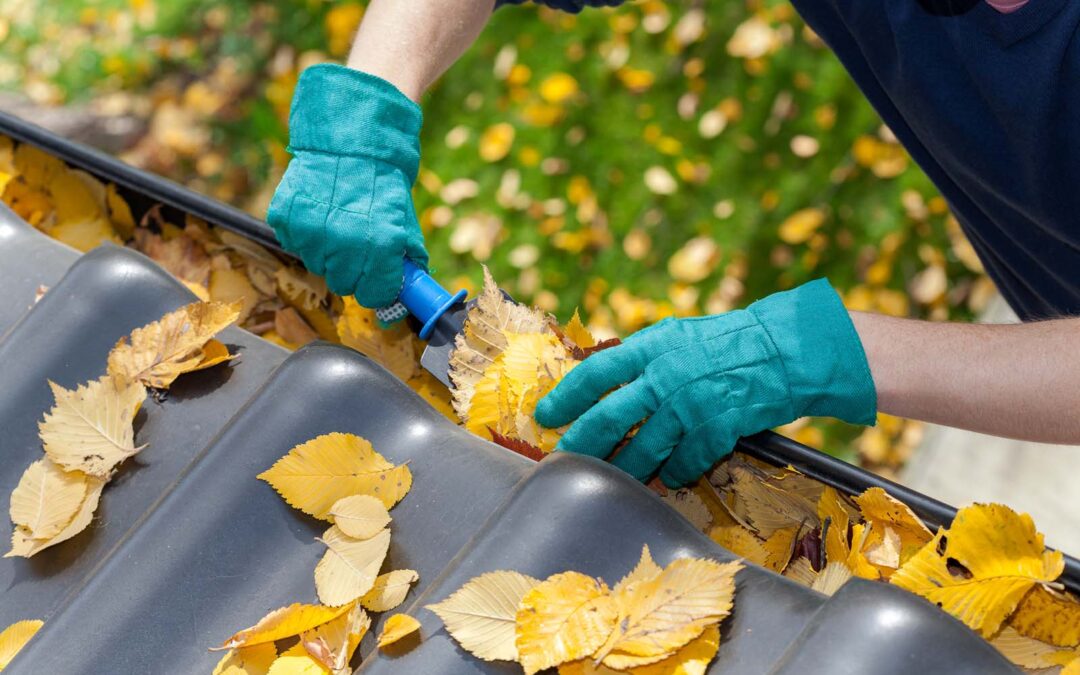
x: 1018, y: 381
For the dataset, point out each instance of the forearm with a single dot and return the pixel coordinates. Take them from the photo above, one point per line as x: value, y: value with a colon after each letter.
x: 1018, y: 381
x: 410, y: 43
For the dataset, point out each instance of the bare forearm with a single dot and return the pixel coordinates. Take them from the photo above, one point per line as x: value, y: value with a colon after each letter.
x: 1019, y: 381
x: 410, y: 43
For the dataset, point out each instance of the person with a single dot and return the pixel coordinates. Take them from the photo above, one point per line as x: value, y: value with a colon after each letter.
x: 984, y: 94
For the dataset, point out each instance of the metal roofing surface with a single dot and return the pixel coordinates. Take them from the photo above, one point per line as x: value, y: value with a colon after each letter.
x: 188, y: 545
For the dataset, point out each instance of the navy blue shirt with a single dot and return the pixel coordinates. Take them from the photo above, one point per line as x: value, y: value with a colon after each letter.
x: 988, y: 104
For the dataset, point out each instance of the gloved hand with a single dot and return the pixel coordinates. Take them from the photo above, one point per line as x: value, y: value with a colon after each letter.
x: 704, y: 382
x: 345, y: 203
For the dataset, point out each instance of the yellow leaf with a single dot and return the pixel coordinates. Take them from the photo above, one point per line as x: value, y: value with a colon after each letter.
x: 741, y: 542
x: 989, y: 559
x: 333, y: 643
x: 159, y: 352
x: 350, y: 566
x: 832, y: 578
x: 296, y: 661
x: 506, y: 396
x: 661, y: 615
x: 306, y: 290
x: 576, y: 331
x: 564, y: 618
x: 1048, y: 616
x: 481, y: 614
x: 693, y: 659
x: 47, y: 498
x: 485, y: 337
x: 779, y: 548
x: 435, y: 393
x: 391, y: 347
x: 1024, y: 651
x: 360, y: 516
x: 247, y: 661
x: 230, y: 286
x: 801, y: 225
x: 90, y: 429
x: 86, y: 234
x: 389, y: 590
x: 284, y: 622
x: 119, y: 212
x: 645, y: 570
x: 397, y: 627
x: 23, y: 545
x: 213, y: 353
x: 36, y: 167
x: 14, y: 637
x: 695, y: 261
x: 316, y: 474
x: 558, y: 88
x: 291, y: 326
x: 882, y: 510
x: 496, y: 141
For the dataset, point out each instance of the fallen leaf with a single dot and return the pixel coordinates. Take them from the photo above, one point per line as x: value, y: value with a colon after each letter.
x: 1048, y: 616
x: 291, y: 326
x: 832, y: 578
x: 389, y: 590
x: 247, y: 661
x: 395, y: 628
x: 882, y: 510
x: 25, y: 546
x: 661, y: 615
x: 360, y: 516
x: 159, y: 352
x: 801, y: 225
x: 481, y: 614
x: 990, y: 558
x: 334, y: 643
x: 693, y: 659
x: 14, y: 638
x: 314, y: 475
x: 391, y: 347
x: 349, y: 567
x: 90, y: 429
x: 564, y: 618
x: 228, y: 286
x: 296, y: 661
x: 47, y: 498
x: 484, y: 337
x: 284, y: 622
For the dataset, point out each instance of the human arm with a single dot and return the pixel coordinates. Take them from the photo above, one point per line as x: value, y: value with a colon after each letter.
x: 699, y: 384
x: 345, y: 203
x: 410, y: 44
x: 1019, y: 381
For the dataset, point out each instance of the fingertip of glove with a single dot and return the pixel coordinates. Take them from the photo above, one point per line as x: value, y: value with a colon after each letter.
x: 547, y: 412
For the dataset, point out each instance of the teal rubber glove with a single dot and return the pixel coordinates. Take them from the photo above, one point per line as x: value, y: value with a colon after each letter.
x: 345, y: 203
x: 704, y: 382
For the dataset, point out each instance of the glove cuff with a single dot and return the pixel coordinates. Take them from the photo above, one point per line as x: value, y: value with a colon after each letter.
x: 824, y: 359
x: 342, y: 111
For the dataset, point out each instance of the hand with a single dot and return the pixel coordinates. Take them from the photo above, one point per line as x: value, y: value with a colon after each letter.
x: 345, y: 203
x: 701, y: 383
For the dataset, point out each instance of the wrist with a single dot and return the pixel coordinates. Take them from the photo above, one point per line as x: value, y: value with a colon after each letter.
x: 823, y: 358
x: 341, y: 111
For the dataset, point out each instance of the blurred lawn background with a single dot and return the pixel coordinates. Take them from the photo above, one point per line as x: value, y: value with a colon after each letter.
x: 662, y: 158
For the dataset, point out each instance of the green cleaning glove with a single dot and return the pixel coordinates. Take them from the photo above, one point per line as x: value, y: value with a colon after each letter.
x: 704, y: 382
x: 345, y: 203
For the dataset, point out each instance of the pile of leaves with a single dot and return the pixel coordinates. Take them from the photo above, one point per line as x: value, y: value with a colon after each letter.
x: 277, y: 299
x: 655, y: 621
x: 341, y: 479
x: 989, y: 568
x: 89, y: 431
x: 508, y: 357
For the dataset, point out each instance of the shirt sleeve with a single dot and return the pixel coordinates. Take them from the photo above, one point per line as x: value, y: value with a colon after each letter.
x: 572, y: 6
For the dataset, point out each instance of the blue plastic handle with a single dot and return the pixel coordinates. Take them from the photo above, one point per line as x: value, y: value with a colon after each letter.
x: 425, y: 298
